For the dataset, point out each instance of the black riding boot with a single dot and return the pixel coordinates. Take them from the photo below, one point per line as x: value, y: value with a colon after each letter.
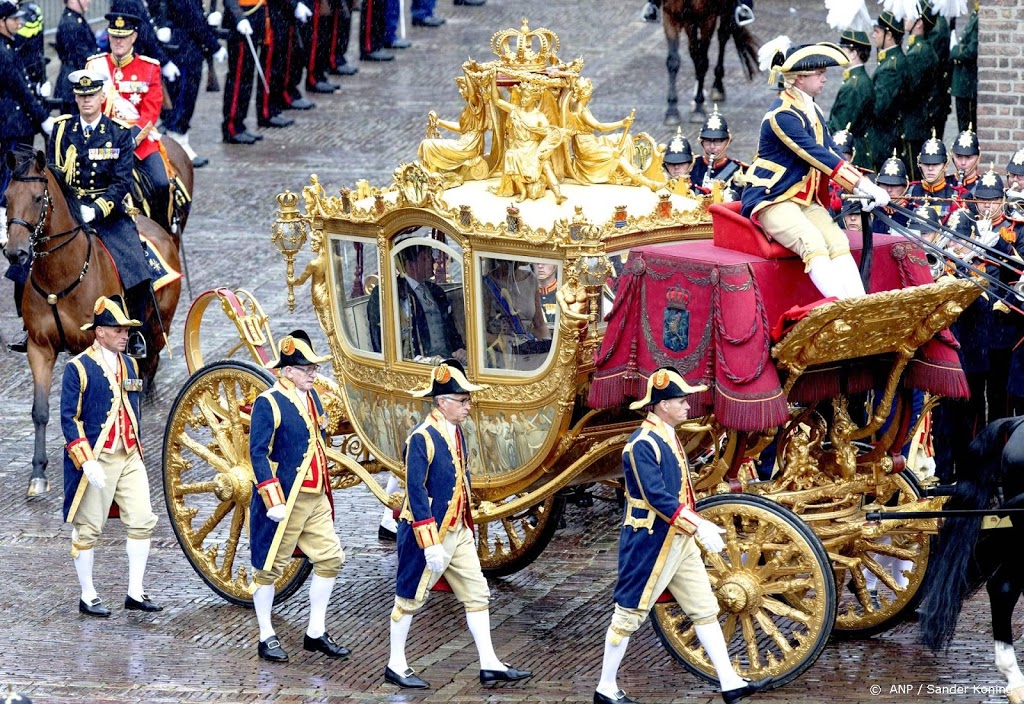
x: 21, y: 344
x: 138, y: 300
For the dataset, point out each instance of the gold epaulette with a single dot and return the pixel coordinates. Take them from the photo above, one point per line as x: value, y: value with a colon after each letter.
x: 120, y: 123
x: 59, y: 118
x: 146, y: 58
x: 98, y: 56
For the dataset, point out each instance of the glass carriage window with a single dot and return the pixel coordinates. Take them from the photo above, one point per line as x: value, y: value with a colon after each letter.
x: 618, y: 262
x: 519, y: 312
x: 430, y: 314
x: 356, y: 268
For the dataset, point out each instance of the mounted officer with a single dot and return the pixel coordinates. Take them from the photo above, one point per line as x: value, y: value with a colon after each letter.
x: 853, y: 108
x: 94, y: 154
x: 133, y: 93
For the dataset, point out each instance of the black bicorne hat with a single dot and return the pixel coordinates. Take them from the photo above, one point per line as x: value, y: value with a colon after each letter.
x: 448, y: 377
x: 110, y: 311
x: 296, y: 350
x: 664, y: 384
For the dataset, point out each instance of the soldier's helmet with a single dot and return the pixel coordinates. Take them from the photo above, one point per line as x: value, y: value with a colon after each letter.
x: 966, y: 143
x: 844, y: 140
x: 893, y: 172
x: 1016, y: 165
x: 933, y: 151
x: 989, y: 186
x: 678, y: 151
x: 927, y: 219
x: 715, y: 126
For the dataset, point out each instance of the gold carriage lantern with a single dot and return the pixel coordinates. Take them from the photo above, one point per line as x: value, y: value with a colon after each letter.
x: 289, y: 234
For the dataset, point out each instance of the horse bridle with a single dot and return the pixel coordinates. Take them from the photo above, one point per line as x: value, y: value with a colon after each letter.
x: 37, y: 238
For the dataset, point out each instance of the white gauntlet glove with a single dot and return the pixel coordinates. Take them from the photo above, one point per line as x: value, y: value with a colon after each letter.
x: 221, y: 55
x: 214, y: 18
x: 45, y: 89
x: 88, y: 213
x: 170, y: 71
x: 163, y: 35
x: 47, y: 126
x: 302, y: 13
x: 877, y: 194
x: 277, y: 513
x: 435, y: 558
x: 244, y: 27
x: 710, y: 536
x: 93, y: 471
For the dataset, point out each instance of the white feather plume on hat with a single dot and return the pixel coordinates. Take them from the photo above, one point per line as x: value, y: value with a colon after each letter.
x: 903, y: 9
x: 950, y: 9
x: 769, y: 49
x: 850, y: 15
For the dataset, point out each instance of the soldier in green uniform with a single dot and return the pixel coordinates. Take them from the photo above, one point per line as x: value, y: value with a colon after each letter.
x: 853, y: 109
x: 965, y: 73
x: 921, y: 62
x: 890, y: 85
x: 936, y: 33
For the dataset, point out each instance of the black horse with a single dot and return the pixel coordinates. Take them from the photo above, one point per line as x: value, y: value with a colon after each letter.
x: 967, y: 558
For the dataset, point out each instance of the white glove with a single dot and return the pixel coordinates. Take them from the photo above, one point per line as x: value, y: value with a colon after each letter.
x: 214, y: 18
x: 45, y: 89
x: 221, y: 55
x: 244, y: 27
x: 302, y: 13
x: 710, y: 536
x: 154, y: 136
x: 952, y: 39
x: 170, y: 71
x: 877, y: 194
x: 93, y: 471
x: 88, y: 213
x: 163, y: 35
x: 986, y: 235
x: 277, y: 513
x: 649, y: 13
x: 47, y: 126
x: 435, y: 558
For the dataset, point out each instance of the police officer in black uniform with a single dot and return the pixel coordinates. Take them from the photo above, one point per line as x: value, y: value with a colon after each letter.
x: 22, y: 116
x: 192, y: 41
x: 246, y: 20
x: 96, y: 155
x: 279, y: 57
x: 75, y: 44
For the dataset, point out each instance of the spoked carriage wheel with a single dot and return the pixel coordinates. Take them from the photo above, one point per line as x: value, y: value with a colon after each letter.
x: 208, y: 478
x: 775, y: 590
x: 898, y: 562
x: 507, y: 545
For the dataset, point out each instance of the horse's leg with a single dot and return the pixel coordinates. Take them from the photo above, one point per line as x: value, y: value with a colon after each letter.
x: 718, y: 87
x: 672, y: 63
x: 41, y: 361
x: 700, y: 44
x: 1003, y: 591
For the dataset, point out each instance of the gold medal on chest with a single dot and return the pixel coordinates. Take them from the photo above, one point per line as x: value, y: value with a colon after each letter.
x: 118, y: 75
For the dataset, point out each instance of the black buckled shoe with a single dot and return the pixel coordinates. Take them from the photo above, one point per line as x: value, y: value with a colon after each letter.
x: 736, y: 695
x: 619, y: 698
x: 407, y: 680
x: 93, y: 608
x: 144, y: 605
x: 271, y: 650
x: 136, y: 347
x: 21, y: 344
x: 326, y: 645
x: 386, y: 534
x: 492, y: 677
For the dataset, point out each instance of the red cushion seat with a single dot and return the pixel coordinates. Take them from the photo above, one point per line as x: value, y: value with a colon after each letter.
x: 733, y: 231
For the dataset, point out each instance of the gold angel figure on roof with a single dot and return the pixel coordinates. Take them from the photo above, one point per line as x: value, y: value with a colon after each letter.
x: 464, y: 155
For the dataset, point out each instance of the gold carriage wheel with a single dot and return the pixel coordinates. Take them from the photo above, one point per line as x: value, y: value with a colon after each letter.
x: 208, y: 339
x: 898, y: 563
x: 507, y: 545
x: 775, y: 590
x: 208, y: 478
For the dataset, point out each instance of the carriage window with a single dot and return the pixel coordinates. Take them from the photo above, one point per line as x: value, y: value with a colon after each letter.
x: 618, y: 262
x: 356, y: 268
x: 430, y: 316
x: 516, y: 306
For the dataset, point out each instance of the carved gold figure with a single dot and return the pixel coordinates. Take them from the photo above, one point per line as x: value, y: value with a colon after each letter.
x: 465, y: 154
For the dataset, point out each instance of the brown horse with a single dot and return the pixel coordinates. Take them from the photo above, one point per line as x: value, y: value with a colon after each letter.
x: 699, y: 18
x: 180, y: 166
x: 70, y: 270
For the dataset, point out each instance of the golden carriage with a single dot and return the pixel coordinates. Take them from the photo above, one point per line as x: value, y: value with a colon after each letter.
x: 475, y: 223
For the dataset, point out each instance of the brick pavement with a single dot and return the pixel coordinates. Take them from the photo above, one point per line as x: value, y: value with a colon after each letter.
x: 549, y: 617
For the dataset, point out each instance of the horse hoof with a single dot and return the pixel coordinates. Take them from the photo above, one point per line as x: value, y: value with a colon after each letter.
x: 697, y: 117
x: 717, y: 95
x: 672, y: 119
x: 1015, y: 695
x: 38, y: 486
